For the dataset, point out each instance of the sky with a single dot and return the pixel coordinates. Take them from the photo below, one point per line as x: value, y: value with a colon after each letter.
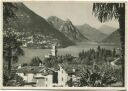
x: 78, y: 12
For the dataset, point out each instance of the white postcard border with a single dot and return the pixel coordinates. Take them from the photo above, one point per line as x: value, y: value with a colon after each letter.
x: 65, y: 88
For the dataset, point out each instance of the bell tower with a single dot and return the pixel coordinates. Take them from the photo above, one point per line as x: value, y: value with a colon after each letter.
x: 54, y: 50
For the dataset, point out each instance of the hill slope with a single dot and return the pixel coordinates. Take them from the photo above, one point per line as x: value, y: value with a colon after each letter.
x: 91, y: 33
x: 107, y: 29
x: 67, y: 28
x: 55, y: 22
x: 113, y: 38
x: 34, y: 25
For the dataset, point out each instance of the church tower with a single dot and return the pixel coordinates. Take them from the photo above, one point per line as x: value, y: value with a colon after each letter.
x: 54, y: 50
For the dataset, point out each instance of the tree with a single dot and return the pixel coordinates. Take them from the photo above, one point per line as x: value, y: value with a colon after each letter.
x: 11, y: 46
x: 35, y: 61
x: 11, y: 49
x: 8, y: 14
x: 8, y: 10
x: 108, y: 11
x: 51, y: 62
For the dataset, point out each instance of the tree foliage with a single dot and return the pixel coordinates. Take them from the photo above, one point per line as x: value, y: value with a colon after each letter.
x: 108, y: 11
x: 8, y: 10
x: 11, y: 46
x: 36, y: 61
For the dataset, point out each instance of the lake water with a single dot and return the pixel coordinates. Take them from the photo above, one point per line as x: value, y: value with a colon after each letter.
x: 73, y: 50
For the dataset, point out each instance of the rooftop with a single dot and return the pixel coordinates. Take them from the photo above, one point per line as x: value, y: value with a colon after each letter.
x: 34, y: 70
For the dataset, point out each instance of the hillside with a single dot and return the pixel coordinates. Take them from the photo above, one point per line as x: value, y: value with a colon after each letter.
x: 107, y: 29
x: 91, y: 33
x: 55, y: 22
x: 67, y: 28
x: 36, y: 27
x: 113, y: 38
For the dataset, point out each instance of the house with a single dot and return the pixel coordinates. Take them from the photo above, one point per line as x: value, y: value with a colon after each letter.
x: 62, y: 77
x: 41, y: 76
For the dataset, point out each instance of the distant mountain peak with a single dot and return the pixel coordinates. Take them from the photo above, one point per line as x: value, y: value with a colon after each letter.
x: 67, y: 20
x: 107, y: 29
x: 54, y: 18
x: 67, y: 28
x: 107, y: 26
x: 114, y: 37
x: 91, y: 33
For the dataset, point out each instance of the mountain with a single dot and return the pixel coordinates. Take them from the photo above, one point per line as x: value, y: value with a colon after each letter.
x: 91, y: 33
x: 35, y: 26
x: 113, y: 38
x: 55, y: 22
x: 107, y: 29
x: 67, y: 28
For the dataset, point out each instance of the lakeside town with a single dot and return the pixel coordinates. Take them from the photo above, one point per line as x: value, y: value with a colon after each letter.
x: 58, y: 74
x: 55, y: 52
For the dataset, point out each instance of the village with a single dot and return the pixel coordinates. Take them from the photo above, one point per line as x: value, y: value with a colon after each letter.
x: 34, y: 41
x: 41, y: 76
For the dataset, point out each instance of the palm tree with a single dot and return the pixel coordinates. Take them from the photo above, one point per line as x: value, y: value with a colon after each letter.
x: 11, y: 46
x: 11, y: 50
x: 108, y: 11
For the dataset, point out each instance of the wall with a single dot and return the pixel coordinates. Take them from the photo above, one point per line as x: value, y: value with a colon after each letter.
x: 28, y: 77
x: 62, y: 77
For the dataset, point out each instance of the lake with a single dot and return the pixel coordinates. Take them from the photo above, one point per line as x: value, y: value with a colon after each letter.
x: 73, y: 50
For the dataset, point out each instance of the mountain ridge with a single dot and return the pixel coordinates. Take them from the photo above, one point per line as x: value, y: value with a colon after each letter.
x: 28, y: 21
x: 67, y: 28
x: 113, y: 38
x: 91, y: 32
x: 107, y: 29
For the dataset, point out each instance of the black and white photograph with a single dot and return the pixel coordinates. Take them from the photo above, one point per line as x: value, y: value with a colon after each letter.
x: 63, y: 44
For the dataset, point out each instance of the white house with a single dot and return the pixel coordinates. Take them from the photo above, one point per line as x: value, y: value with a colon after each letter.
x: 43, y: 77
x: 43, y: 81
x: 62, y: 77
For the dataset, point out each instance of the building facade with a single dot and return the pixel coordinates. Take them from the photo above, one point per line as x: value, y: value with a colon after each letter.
x: 56, y: 78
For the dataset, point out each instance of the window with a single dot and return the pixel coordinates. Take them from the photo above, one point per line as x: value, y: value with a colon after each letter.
x: 55, y: 77
x: 62, y: 78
